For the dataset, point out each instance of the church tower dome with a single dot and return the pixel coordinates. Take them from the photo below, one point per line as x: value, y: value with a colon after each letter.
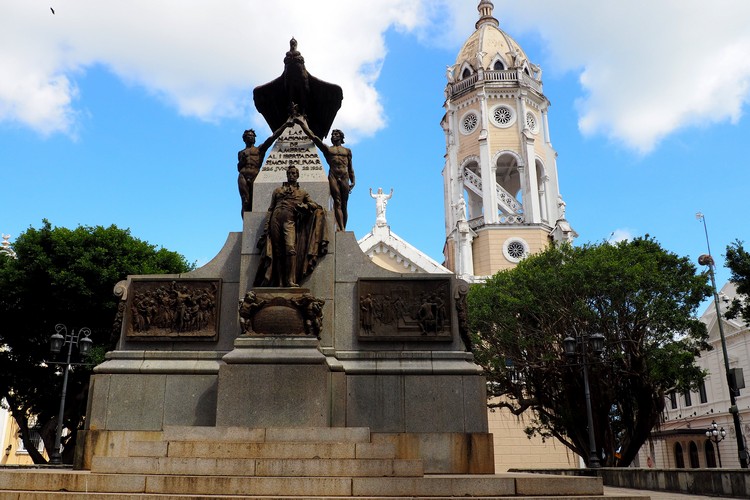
x: 496, y: 129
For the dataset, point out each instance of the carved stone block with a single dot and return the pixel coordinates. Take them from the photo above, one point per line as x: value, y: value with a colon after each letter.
x: 171, y: 309
x: 405, y: 309
x: 280, y: 311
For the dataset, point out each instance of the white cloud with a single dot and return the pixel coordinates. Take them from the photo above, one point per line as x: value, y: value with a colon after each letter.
x: 619, y: 235
x: 203, y: 58
x: 647, y: 69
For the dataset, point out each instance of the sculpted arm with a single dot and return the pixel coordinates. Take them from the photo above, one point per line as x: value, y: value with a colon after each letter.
x: 276, y: 134
x: 350, y: 169
x: 316, y: 140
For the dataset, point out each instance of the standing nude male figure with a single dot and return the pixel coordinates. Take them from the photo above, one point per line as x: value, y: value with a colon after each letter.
x: 249, y: 162
x: 340, y: 170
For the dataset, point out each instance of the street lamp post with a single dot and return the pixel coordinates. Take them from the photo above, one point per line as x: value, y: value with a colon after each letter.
x: 717, y: 436
x: 707, y: 260
x: 57, y: 341
x: 570, y: 345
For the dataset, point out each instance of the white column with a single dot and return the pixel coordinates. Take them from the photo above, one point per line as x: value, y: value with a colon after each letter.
x: 465, y: 257
x: 489, y: 194
x: 450, y: 169
x: 532, y: 208
x: 545, y: 124
x: 543, y: 201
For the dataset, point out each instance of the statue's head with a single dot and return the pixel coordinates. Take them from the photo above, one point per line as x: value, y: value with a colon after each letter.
x: 249, y: 136
x: 292, y: 44
x: 292, y: 174
x: 338, y: 132
x: 380, y: 190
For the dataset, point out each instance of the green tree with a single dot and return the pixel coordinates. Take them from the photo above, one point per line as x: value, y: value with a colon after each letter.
x: 641, y: 297
x: 63, y: 276
x: 738, y: 262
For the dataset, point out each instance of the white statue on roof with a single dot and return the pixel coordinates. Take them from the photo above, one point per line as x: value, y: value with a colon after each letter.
x: 381, y: 200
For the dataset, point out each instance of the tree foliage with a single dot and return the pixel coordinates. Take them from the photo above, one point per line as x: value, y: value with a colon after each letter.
x: 63, y: 276
x: 738, y: 262
x: 641, y: 297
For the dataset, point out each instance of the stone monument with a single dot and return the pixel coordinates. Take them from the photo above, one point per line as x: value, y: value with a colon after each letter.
x: 291, y: 325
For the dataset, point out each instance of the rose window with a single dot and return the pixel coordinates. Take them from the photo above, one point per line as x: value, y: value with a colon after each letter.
x: 531, y: 122
x: 503, y: 116
x: 516, y: 249
x: 469, y: 123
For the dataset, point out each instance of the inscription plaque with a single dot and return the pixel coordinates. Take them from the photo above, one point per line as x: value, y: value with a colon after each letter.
x: 173, y: 309
x: 405, y: 309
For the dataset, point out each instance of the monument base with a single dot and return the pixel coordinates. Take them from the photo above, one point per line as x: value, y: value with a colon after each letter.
x: 274, y: 382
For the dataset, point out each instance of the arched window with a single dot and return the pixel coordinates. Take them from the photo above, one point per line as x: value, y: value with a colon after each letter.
x: 693, y: 451
x: 710, y: 456
x: 679, y: 460
x: 465, y: 74
x: 498, y: 66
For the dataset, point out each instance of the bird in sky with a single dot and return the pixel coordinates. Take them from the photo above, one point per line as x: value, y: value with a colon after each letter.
x: 53, y: 11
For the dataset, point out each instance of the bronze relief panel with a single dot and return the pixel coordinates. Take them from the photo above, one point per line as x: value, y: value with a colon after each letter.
x: 405, y: 309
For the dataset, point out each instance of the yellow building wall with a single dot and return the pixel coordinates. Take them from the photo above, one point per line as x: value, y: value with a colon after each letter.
x: 514, y: 450
x: 488, y: 247
x: 10, y: 454
x: 388, y: 263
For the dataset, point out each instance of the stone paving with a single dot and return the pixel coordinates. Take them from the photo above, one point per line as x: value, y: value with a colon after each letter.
x: 657, y: 495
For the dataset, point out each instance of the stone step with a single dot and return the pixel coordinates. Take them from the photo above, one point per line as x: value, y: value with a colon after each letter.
x: 62, y: 495
x: 292, y: 434
x: 258, y: 467
x: 247, y: 450
x: 206, y: 449
x: 493, y: 486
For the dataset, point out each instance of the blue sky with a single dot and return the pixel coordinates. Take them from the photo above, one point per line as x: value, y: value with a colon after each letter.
x: 131, y: 113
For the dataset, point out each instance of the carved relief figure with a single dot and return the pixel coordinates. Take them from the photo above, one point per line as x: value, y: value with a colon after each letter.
x: 414, y: 309
x: 294, y: 236
x: 249, y: 162
x: 312, y: 312
x: 340, y: 171
x: 249, y: 305
x: 175, y: 308
x: 381, y: 200
x: 366, y: 315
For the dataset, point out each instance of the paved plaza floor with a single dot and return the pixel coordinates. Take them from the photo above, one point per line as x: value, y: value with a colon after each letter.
x: 659, y: 495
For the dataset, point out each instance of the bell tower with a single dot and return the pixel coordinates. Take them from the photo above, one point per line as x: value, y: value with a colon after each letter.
x: 502, y: 199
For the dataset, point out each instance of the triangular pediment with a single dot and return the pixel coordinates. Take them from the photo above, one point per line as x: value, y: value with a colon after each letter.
x: 392, y: 252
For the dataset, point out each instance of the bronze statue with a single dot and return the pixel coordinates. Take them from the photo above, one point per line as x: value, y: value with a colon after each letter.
x: 298, y: 92
x: 249, y: 162
x: 340, y: 171
x: 294, y: 237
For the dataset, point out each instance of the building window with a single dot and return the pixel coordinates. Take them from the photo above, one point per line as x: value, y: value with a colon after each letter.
x: 702, y: 392
x: 503, y: 116
x: 531, y: 122
x: 36, y: 441
x: 498, y: 66
x: 466, y: 74
x: 710, y: 455
x: 515, y: 249
x: 679, y: 460
x: 469, y: 123
x: 672, y: 400
x: 694, y: 461
x: 688, y: 398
